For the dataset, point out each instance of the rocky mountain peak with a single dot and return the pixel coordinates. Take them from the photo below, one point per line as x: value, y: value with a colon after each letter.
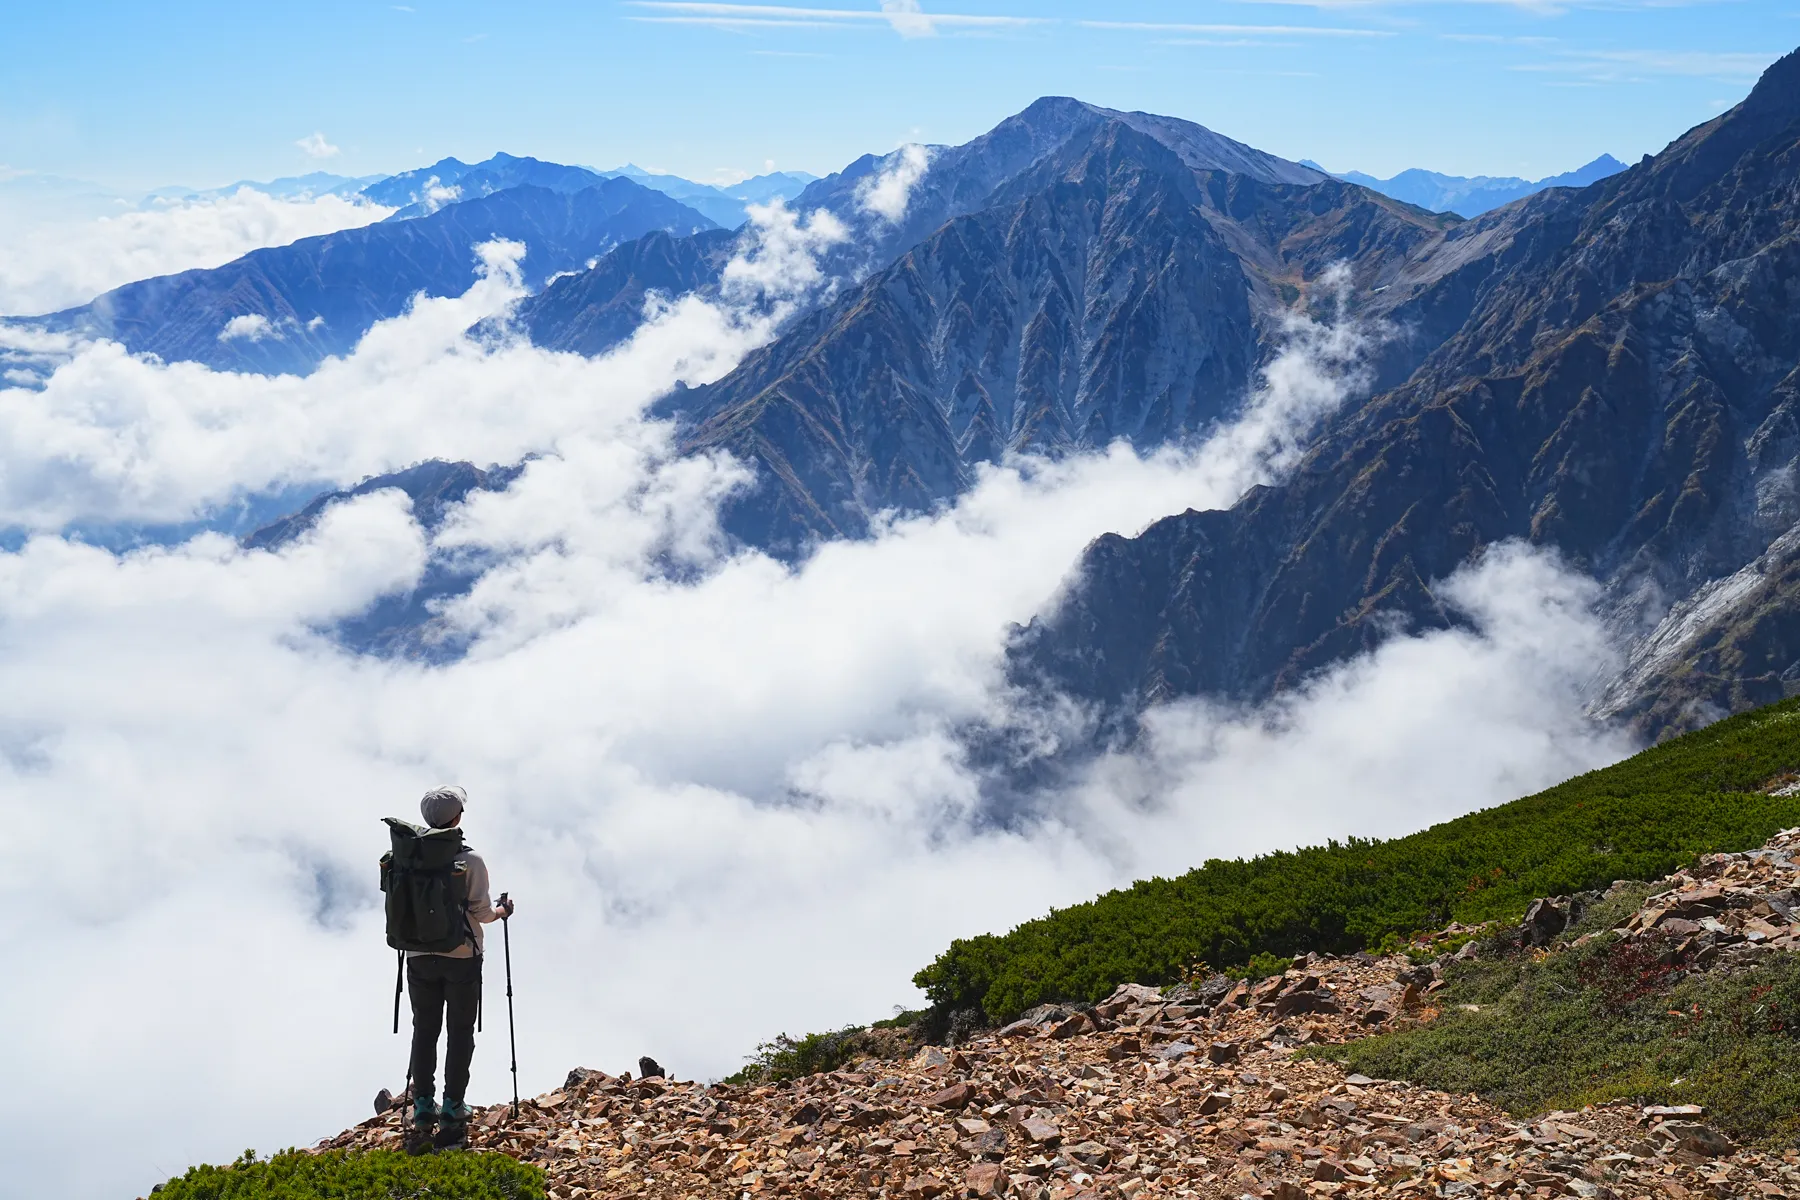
x: 1778, y: 91
x: 1197, y: 146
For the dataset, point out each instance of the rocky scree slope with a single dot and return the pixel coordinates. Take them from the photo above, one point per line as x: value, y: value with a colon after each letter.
x: 1208, y: 1091
x: 1221, y: 1086
x: 1623, y: 390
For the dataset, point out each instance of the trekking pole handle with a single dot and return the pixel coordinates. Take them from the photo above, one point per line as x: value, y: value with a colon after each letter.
x: 504, y: 904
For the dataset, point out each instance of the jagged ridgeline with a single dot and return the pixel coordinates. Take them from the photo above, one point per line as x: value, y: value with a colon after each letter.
x: 1717, y: 789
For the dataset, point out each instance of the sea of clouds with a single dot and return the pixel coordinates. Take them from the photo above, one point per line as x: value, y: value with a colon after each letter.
x: 50, y: 261
x: 728, y: 793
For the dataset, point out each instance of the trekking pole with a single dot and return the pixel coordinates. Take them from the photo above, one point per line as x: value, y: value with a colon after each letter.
x: 511, y: 1037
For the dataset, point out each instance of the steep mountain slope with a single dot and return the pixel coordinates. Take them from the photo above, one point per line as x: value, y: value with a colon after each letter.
x: 1109, y: 289
x: 1472, y: 196
x: 1719, y: 788
x: 590, y: 311
x: 1624, y: 391
x: 964, y: 179
x: 295, y: 305
x: 957, y: 180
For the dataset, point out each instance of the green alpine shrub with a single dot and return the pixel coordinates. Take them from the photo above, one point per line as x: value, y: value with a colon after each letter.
x: 360, y: 1175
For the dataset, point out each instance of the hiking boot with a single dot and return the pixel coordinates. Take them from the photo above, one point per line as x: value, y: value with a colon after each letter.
x: 453, y: 1126
x: 420, y: 1129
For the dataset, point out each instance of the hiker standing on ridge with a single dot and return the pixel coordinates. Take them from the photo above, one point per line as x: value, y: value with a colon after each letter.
x: 445, y: 983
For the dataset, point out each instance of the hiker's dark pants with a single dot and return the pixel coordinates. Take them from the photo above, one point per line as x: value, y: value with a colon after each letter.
x: 440, y: 985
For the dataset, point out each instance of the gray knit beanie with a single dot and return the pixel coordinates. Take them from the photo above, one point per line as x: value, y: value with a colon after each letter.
x: 442, y: 805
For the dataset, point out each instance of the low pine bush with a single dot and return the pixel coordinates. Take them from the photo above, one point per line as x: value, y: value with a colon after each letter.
x: 793, y: 1058
x: 1638, y: 819
x: 360, y: 1175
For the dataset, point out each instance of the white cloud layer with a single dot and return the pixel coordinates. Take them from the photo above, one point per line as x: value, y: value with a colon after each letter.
x: 47, y: 266
x: 887, y: 193
x: 725, y: 792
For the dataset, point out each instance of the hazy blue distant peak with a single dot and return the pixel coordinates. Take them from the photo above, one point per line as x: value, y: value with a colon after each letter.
x: 450, y: 180
x: 413, y: 187
x: 290, y: 187
x: 1470, y: 196
x: 723, y: 204
x: 1593, y: 172
x: 762, y: 188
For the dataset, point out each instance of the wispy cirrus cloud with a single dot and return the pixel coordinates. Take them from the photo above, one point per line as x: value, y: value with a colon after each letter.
x: 1239, y: 30
x: 1540, y: 7
x: 905, y: 17
x: 1631, y: 66
x: 1499, y: 39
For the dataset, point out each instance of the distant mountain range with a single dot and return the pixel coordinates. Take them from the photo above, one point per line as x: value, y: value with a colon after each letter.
x: 724, y: 204
x: 39, y: 197
x: 1607, y: 370
x: 295, y: 305
x: 424, y: 190
x: 1471, y: 196
x: 286, y: 308
x: 34, y: 198
x: 1620, y: 382
x: 289, y: 187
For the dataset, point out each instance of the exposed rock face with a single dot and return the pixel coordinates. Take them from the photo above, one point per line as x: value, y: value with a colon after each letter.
x: 317, y: 297
x: 1623, y: 390
x: 1109, y: 289
x: 964, y: 179
x: 594, y: 310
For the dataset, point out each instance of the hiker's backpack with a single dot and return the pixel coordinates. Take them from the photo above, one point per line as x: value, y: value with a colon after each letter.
x: 426, y: 878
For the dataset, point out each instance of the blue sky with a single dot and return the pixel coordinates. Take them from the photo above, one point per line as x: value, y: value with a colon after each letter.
x: 137, y: 95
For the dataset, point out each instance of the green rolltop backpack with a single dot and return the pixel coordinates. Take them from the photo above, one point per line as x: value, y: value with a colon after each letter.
x: 426, y: 878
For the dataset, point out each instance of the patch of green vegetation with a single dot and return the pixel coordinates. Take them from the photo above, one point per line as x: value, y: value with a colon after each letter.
x: 1612, y: 910
x: 362, y: 1175
x: 904, y: 1019
x: 793, y: 1058
x: 1639, y: 819
x: 1423, y: 947
x: 1605, y: 1021
x: 1260, y: 966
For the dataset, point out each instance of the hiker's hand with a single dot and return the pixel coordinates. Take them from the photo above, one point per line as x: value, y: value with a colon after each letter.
x: 505, y: 907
